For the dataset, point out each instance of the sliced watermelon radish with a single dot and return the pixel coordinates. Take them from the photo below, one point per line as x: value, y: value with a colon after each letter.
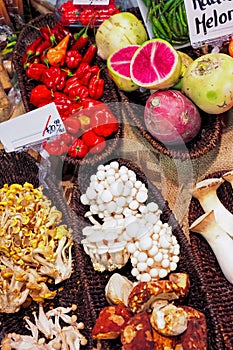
x: 118, y: 65
x: 155, y: 65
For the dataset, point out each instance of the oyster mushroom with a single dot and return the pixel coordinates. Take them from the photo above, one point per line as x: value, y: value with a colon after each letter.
x: 220, y: 242
x: 206, y: 192
x: 117, y: 289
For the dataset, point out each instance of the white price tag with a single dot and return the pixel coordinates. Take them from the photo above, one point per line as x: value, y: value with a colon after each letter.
x: 209, y: 20
x: 91, y: 2
x: 31, y: 128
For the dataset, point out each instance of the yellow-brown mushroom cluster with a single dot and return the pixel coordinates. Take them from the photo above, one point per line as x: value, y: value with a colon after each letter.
x: 34, y: 246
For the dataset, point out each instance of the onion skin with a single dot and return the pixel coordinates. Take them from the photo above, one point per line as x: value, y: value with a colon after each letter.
x: 171, y: 117
x: 208, y: 82
x: 120, y: 30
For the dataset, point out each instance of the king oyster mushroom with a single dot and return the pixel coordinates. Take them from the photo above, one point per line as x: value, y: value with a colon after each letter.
x: 220, y: 242
x: 206, y: 192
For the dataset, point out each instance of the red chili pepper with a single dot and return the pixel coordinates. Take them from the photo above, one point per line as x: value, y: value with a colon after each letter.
x: 73, y: 59
x: 59, y: 145
x: 74, y: 108
x: 70, y: 84
x: 96, y: 87
x: 83, y: 68
x: 63, y: 104
x: 91, y: 139
x: 103, y: 122
x: 86, y: 16
x: 54, y: 78
x: 72, y: 125
x: 90, y: 54
x: 40, y: 94
x: 94, y: 69
x: 47, y: 34
x: 42, y: 47
x: 78, y: 92
x: 31, y: 49
x: 69, y: 12
x: 78, y: 149
x: 35, y: 71
x: 86, y: 79
x: 82, y: 41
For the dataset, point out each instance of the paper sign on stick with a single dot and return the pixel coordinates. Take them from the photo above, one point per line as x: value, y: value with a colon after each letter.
x: 31, y: 128
x: 209, y: 20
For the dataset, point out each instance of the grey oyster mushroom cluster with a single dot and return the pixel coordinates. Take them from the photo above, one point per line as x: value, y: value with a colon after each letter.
x: 130, y: 228
x: 216, y: 224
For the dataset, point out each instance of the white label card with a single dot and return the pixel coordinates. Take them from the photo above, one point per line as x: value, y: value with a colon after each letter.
x: 31, y: 128
x: 89, y: 2
x: 209, y: 20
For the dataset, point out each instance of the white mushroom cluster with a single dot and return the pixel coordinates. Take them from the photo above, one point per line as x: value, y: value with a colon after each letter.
x: 127, y: 230
x: 55, y: 336
x: 114, y: 189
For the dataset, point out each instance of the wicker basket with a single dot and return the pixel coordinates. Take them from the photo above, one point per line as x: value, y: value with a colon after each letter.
x: 197, y: 297
x: 215, y: 285
x: 206, y: 140
x: 110, y: 96
x: 21, y: 168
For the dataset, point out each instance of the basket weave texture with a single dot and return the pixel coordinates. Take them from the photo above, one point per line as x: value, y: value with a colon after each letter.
x: 205, y: 141
x: 21, y: 168
x: 110, y: 97
x: 215, y: 285
x: 198, y: 295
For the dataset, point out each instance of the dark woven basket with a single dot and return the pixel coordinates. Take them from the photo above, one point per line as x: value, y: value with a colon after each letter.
x: 96, y: 284
x: 21, y: 168
x: 214, y: 284
x: 206, y: 140
x: 110, y: 96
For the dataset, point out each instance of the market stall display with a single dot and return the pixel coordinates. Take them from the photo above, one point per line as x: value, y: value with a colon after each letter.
x: 131, y: 262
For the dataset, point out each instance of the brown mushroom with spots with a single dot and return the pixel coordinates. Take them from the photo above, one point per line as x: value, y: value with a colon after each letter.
x: 110, y: 322
x: 137, y: 333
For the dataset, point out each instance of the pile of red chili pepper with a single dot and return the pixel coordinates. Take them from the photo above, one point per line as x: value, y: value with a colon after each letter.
x: 61, y: 65
x: 73, y: 14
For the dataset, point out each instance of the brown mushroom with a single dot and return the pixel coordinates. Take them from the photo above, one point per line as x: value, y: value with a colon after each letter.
x: 137, y: 331
x: 110, y: 322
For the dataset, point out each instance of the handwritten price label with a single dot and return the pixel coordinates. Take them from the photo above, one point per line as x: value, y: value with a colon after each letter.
x: 31, y: 128
x: 209, y: 21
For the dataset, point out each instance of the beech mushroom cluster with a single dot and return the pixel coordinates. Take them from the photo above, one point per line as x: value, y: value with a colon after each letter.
x: 216, y: 224
x: 34, y: 246
x: 129, y: 228
x: 55, y: 336
x: 151, y: 315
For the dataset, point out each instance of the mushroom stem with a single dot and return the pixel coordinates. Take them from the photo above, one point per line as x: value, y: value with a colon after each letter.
x: 219, y: 241
x: 206, y: 192
x: 228, y: 177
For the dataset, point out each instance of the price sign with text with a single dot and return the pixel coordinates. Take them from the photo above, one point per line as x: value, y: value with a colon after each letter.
x: 209, y: 20
x: 31, y: 128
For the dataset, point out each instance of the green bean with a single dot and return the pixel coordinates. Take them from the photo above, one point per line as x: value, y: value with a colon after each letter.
x: 159, y: 27
x: 165, y: 25
x: 147, y: 2
x: 179, y: 24
x: 174, y: 24
x: 167, y: 5
x: 180, y: 11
